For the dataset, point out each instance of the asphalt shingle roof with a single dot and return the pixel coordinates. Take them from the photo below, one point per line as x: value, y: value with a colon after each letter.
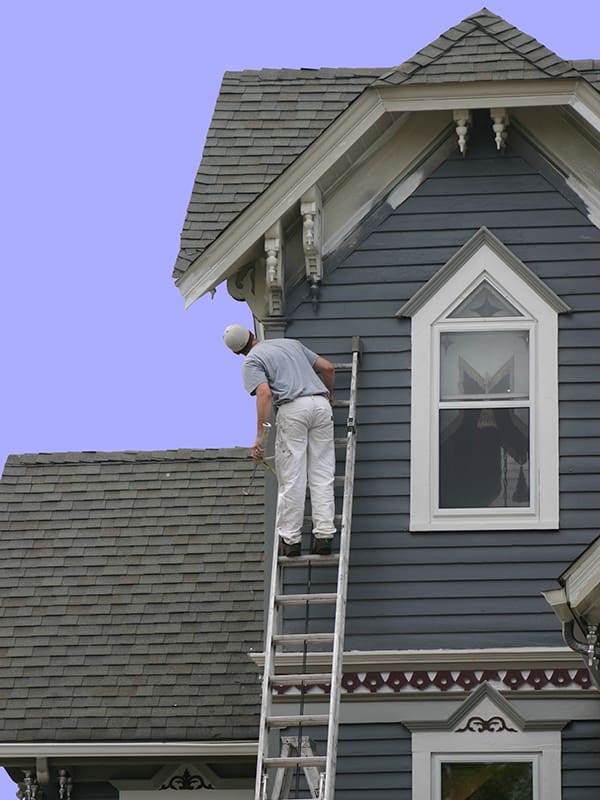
x: 265, y: 119
x: 131, y: 590
x: 262, y: 121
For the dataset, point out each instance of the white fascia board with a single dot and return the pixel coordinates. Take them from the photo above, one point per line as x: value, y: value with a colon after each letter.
x: 478, y: 94
x: 210, y: 268
x: 586, y: 102
x: 482, y: 658
x: 126, y: 749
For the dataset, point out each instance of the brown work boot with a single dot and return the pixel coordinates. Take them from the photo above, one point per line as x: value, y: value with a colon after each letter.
x: 321, y: 545
x: 289, y: 550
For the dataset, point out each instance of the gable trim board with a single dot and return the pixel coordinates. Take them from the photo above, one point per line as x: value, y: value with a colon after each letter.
x: 232, y: 246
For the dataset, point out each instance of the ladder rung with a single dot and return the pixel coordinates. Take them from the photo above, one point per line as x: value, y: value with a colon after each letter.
x: 315, y: 561
x: 343, y: 365
x: 341, y: 404
x: 300, y: 638
x: 305, y: 720
x: 309, y: 678
x: 340, y: 441
x: 299, y: 599
x: 296, y: 761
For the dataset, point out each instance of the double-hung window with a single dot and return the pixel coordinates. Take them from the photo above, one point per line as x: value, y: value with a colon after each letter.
x: 484, y: 420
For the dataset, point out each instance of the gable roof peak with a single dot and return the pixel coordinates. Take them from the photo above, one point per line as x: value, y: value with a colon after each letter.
x: 483, y: 46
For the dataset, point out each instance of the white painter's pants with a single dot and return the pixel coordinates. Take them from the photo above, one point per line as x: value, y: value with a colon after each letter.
x: 304, y: 447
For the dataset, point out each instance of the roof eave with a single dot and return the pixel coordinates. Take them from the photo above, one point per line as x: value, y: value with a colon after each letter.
x: 222, y: 257
x: 127, y: 749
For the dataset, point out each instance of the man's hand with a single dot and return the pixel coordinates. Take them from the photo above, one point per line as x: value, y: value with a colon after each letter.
x: 258, y: 452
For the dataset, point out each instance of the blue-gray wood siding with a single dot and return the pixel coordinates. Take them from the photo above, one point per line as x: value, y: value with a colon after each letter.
x: 581, y: 760
x: 374, y: 762
x: 453, y: 589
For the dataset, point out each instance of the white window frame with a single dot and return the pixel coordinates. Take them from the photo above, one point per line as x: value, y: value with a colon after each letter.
x: 541, y: 748
x: 484, y: 258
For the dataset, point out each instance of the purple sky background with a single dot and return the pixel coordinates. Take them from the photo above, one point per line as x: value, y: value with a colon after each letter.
x: 106, y: 107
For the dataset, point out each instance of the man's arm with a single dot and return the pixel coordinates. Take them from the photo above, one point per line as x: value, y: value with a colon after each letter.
x: 264, y: 407
x: 326, y: 371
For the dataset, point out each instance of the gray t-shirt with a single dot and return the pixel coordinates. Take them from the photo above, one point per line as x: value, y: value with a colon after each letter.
x: 286, y: 365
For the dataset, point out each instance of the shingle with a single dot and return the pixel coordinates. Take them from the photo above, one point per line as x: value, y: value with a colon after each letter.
x: 97, y: 617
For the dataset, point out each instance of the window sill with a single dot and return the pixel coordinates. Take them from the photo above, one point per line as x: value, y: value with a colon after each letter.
x: 484, y: 523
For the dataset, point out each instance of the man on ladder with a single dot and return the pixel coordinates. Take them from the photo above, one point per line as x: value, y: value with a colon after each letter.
x: 299, y: 383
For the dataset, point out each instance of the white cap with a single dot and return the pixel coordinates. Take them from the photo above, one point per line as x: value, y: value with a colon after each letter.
x: 236, y: 337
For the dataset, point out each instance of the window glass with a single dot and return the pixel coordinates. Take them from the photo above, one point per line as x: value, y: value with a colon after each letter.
x: 480, y: 365
x: 495, y: 780
x: 484, y: 457
x: 485, y: 301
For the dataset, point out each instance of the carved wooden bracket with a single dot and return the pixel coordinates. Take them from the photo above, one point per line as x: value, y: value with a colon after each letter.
x: 310, y: 208
x: 462, y: 119
x: 500, y: 122
x: 274, y: 270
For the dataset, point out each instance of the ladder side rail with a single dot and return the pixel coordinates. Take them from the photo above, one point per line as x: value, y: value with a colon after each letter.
x: 340, y: 612
x: 269, y: 648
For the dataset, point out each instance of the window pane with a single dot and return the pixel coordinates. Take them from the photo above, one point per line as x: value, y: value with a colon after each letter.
x: 485, y: 301
x: 510, y: 780
x: 484, y: 458
x: 484, y: 366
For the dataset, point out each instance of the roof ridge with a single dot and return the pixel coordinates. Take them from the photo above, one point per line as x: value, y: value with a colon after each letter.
x: 449, y: 38
x: 517, y: 50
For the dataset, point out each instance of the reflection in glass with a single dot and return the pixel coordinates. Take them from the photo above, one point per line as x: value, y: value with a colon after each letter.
x: 485, y: 301
x: 480, y: 365
x: 484, y: 457
x: 508, y: 780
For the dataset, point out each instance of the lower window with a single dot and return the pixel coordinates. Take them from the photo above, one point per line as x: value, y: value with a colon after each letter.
x: 486, y: 778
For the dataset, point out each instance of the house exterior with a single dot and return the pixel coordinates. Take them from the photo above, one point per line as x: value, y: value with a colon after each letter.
x: 445, y: 211
x: 127, y: 617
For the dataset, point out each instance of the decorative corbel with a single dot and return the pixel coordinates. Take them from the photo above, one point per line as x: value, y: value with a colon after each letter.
x: 462, y: 119
x: 500, y: 122
x: 274, y: 270
x: 311, y: 211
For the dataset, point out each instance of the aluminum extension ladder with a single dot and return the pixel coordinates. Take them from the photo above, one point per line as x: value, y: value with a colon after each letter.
x: 296, y: 752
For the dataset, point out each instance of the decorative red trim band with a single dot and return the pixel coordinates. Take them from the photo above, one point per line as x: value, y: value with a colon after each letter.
x: 446, y: 680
